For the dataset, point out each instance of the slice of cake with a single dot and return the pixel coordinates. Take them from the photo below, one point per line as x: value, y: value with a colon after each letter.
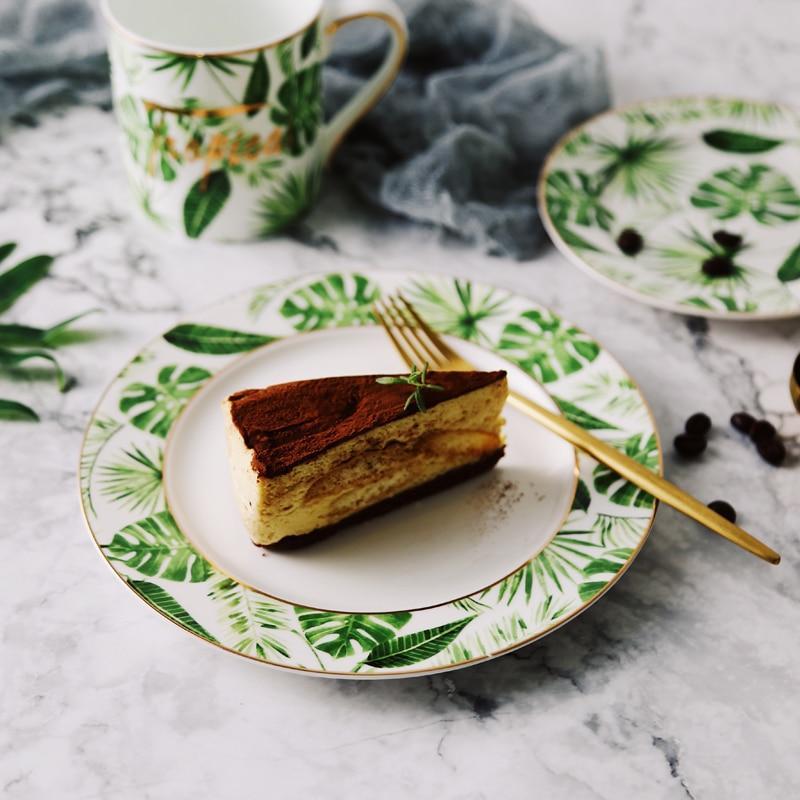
x: 312, y: 455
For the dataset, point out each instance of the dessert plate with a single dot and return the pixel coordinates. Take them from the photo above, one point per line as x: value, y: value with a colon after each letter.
x: 697, y: 179
x: 454, y: 579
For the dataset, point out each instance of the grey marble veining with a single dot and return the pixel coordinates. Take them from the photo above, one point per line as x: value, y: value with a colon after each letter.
x: 680, y: 683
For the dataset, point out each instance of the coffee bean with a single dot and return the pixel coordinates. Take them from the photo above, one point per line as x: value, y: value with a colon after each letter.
x: 630, y: 242
x: 698, y: 424
x: 730, y: 241
x: 743, y: 421
x: 796, y: 370
x: 773, y: 451
x: 717, y: 267
x: 762, y: 431
x: 723, y: 509
x: 688, y: 445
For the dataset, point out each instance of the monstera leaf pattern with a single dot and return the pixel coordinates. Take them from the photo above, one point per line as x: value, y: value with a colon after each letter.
x: 121, y: 465
x: 760, y: 191
x: 299, y: 109
x: 155, y: 407
x: 546, y: 347
x: 576, y: 198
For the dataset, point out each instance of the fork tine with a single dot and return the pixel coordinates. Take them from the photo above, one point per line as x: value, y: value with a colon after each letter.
x: 406, y: 333
x: 398, y: 345
x: 411, y: 335
x: 436, y: 341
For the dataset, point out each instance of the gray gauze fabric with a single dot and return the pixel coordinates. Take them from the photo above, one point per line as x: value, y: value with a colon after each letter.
x: 457, y: 142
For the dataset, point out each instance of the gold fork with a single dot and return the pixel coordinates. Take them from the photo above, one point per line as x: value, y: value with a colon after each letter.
x: 417, y: 343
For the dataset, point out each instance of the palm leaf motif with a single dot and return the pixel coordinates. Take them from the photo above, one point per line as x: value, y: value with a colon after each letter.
x: 298, y: 109
x: 412, y: 648
x: 262, y: 296
x: 156, y: 547
x: 616, y: 393
x: 457, y: 308
x: 617, y: 531
x: 545, y: 346
x: 582, y: 417
x: 558, y: 564
x: 100, y: 432
x: 210, y: 339
x: 761, y: 191
x: 620, y: 491
x: 745, y: 109
x: 600, y: 571
x: 644, y: 167
x: 508, y: 631
x: 163, y: 601
x: 157, y: 407
x: 134, y: 480
x: 576, y: 198
x: 251, y: 618
x: 336, y: 634
x: 331, y: 301
x: 289, y: 201
x: 184, y: 66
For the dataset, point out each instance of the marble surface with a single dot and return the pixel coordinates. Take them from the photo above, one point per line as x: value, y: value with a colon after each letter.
x: 680, y: 683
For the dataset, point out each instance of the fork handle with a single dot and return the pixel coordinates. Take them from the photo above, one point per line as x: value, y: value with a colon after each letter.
x: 642, y: 477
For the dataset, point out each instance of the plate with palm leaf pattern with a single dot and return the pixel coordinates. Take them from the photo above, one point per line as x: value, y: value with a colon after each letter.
x: 506, y: 562
x: 687, y: 204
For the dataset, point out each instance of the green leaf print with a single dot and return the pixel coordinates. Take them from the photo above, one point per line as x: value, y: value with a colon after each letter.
x: 619, y: 491
x: 609, y: 564
x: 739, y: 142
x: 572, y: 239
x: 6, y: 250
x: 546, y: 347
x: 163, y: 601
x: 197, y: 338
x: 158, y: 406
x: 309, y: 41
x: 299, y: 109
x: 761, y: 191
x: 289, y: 201
x: 332, y: 301
x: 185, y: 66
x: 583, y: 497
x: 156, y: 547
x: 17, y: 280
x: 581, y: 417
x: 336, y: 634
x: 251, y: 618
x: 257, y: 88
x: 414, y: 647
x: 204, y: 201
x: 101, y: 431
x: 11, y: 410
x: 134, y: 480
x: 790, y: 269
x: 457, y: 308
x: 576, y: 198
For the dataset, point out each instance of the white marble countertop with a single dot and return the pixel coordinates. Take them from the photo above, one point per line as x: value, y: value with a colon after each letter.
x: 682, y: 682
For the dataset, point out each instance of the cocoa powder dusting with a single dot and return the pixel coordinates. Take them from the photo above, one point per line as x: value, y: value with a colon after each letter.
x: 289, y: 423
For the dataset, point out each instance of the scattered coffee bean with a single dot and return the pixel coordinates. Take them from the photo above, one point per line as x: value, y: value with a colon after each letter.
x: 773, y: 451
x: 743, y: 421
x: 630, y: 242
x: 723, y: 509
x: 688, y: 445
x: 762, y: 431
x: 698, y: 424
x: 796, y: 369
x: 730, y: 241
x: 717, y: 267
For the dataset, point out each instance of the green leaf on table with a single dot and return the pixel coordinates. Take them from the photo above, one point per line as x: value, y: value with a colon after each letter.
x: 580, y: 417
x: 156, y: 547
x: 336, y: 634
x: 13, y: 335
x: 790, y: 269
x: 12, y: 410
x: 415, y: 647
x: 309, y: 40
x: 11, y: 359
x: 739, y: 141
x: 6, y: 250
x: 257, y: 87
x: 17, y: 280
x: 215, y: 341
x: 204, y: 201
x: 163, y: 601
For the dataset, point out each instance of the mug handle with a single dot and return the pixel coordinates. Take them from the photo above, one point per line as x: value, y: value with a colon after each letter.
x: 338, y: 13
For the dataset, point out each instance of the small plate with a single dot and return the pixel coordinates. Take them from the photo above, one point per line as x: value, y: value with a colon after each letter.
x: 678, y: 171
x: 459, y: 577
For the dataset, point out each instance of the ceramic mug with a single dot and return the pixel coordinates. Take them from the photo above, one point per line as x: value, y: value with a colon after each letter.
x: 220, y: 105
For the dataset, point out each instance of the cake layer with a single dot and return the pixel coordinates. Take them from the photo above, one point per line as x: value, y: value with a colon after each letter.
x: 369, y: 469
